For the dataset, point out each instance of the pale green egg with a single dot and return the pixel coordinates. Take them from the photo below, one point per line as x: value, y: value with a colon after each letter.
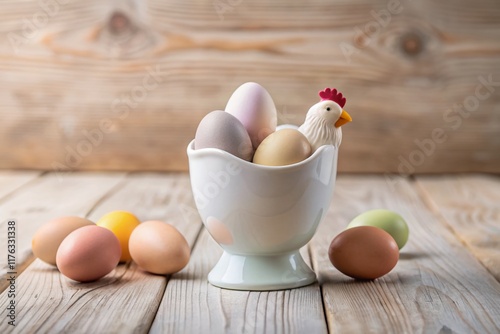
x: 389, y: 221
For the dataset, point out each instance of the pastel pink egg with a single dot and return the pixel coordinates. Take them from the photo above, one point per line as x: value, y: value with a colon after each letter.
x: 254, y: 107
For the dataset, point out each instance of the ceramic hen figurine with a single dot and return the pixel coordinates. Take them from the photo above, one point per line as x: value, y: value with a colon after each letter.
x: 324, y: 119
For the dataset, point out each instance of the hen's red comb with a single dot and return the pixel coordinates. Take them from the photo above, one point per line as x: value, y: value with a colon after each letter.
x: 333, y: 95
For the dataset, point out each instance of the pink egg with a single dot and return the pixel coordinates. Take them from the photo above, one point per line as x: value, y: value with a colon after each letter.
x: 88, y: 253
x: 254, y: 107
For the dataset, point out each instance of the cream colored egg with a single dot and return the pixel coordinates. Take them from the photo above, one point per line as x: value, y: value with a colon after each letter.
x: 159, y: 248
x: 47, y: 238
x: 283, y: 147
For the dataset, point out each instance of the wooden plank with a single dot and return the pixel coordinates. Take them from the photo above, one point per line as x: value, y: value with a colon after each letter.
x: 403, y: 80
x: 470, y: 206
x: 437, y: 286
x: 42, y: 292
x: 46, y: 198
x: 12, y: 180
x: 126, y: 300
x: 192, y: 305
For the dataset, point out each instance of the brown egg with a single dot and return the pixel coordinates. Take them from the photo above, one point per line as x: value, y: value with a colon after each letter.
x: 159, y: 248
x: 88, y: 253
x: 364, y: 252
x: 47, y: 239
x: 283, y: 147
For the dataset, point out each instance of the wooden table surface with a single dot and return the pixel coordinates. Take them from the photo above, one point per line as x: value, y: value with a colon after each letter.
x: 446, y: 281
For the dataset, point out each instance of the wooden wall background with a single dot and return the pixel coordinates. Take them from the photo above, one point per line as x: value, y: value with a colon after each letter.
x: 70, y: 67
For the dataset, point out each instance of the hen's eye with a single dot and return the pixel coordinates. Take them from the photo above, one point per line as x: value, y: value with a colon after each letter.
x: 328, y: 109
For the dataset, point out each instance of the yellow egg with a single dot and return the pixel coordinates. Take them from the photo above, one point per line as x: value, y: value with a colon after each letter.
x: 283, y: 147
x: 121, y: 223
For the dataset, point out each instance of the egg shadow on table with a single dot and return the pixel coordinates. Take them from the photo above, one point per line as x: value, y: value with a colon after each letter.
x: 115, y: 277
x: 403, y: 256
x: 192, y: 276
x: 104, y: 281
x: 145, y: 272
x: 340, y: 279
x: 347, y: 281
x: 47, y: 269
x: 182, y: 275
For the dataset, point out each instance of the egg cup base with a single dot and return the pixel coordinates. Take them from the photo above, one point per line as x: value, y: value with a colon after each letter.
x: 261, y: 272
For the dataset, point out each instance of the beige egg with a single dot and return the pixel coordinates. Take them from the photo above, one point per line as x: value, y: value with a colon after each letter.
x: 283, y: 147
x: 47, y: 239
x: 88, y: 253
x: 159, y: 248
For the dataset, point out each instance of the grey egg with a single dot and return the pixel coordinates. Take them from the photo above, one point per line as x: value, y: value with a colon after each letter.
x: 222, y: 130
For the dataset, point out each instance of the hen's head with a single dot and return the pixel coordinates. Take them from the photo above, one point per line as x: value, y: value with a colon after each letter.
x: 330, y: 108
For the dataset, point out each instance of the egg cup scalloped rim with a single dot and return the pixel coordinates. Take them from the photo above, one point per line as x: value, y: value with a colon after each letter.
x: 192, y: 151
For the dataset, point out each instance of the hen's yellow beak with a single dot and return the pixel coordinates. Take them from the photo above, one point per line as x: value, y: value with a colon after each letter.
x: 344, y: 118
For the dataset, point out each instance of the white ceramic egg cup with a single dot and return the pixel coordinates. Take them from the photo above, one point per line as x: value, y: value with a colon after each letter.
x: 260, y: 215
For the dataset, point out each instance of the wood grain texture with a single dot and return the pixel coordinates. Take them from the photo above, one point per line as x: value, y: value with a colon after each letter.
x: 470, y: 207
x: 47, y: 302
x: 437, y: 286
x: 192, y: 305
x: 46, y: 198
x: 12, y: 180
x: 152, y: 69
x: 124, y: 301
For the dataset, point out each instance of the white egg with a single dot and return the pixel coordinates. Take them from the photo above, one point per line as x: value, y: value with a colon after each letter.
x: 252, y: 105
